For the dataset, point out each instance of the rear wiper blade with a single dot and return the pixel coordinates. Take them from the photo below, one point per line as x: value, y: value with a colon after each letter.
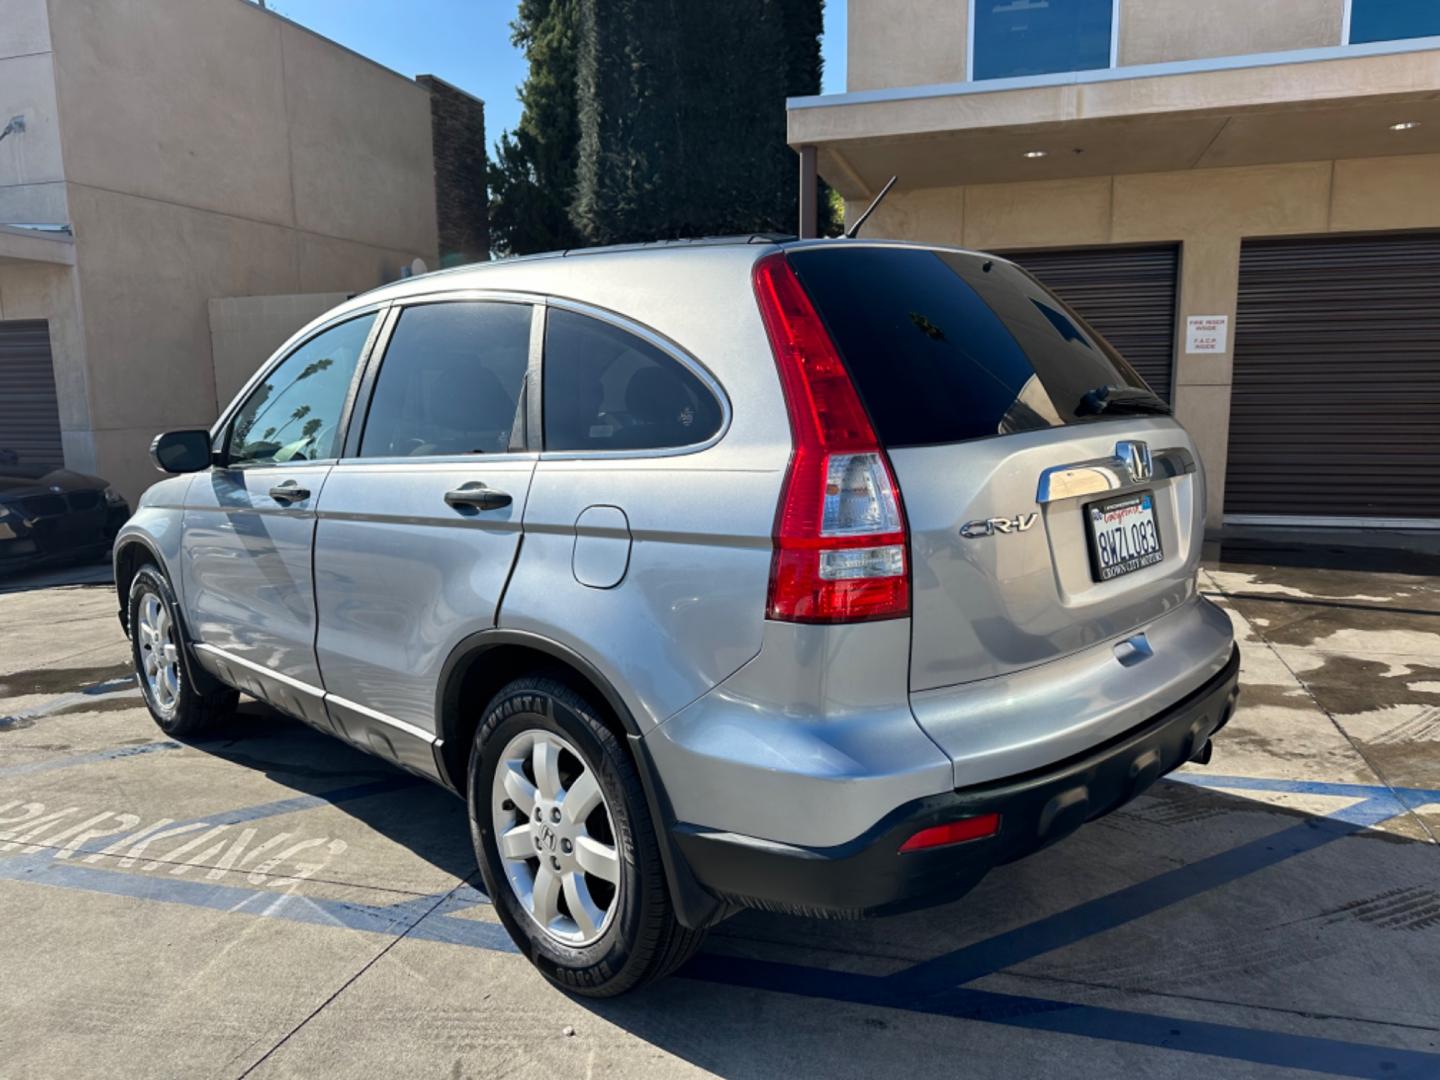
x: 1120, y: 399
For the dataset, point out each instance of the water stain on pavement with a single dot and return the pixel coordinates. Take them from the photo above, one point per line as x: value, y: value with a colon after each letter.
x: 1353, y: 684
x: 60, y: 680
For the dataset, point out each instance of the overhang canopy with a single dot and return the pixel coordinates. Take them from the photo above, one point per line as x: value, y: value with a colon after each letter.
x: 51, y: 244
x: 1300, y: 106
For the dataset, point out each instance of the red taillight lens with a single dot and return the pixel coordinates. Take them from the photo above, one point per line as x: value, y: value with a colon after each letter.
x: 953, y: 832
x: 840, y: 537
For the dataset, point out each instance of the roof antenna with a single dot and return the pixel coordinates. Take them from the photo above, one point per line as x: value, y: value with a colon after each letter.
x: 850, y: 232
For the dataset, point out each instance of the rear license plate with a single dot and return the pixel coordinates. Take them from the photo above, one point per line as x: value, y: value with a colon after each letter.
x: 1122, y: 535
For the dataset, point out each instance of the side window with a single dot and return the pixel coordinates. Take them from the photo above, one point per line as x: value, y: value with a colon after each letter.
x: 1028, y: 38
x: 606, y: 389
x: 294, y: 415
x: 1392, y: 20
x: 450, y: 381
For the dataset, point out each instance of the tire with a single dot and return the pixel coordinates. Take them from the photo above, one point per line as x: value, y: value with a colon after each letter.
x: 182, y: 703
x: 636, y: 938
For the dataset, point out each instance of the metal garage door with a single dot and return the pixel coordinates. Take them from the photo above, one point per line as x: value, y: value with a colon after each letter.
x: 1335, y: 407
x: 29, y: 417
x: 1127, y: 294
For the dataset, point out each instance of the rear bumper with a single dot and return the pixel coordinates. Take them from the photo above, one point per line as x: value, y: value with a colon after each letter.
x: 869, y: 875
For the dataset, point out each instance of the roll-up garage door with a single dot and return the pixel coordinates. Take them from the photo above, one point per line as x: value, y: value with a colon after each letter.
x: 1335, y: 402
x: 1127, y: 294
x: 29, y: 416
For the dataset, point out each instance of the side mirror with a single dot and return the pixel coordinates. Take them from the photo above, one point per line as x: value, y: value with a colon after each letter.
x: 181, y: 451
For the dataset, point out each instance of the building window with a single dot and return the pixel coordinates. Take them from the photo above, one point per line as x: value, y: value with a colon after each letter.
x: 1011, y: 38
x: 1392, y: 20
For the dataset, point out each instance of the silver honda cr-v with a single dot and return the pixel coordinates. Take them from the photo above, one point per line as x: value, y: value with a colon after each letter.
x: 818, y: 577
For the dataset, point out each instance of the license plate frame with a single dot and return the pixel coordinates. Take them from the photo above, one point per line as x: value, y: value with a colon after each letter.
x: 1104, y: 565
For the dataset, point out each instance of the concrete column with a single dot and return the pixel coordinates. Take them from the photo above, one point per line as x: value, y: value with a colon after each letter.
x: 1209, y: 285
x: 808, y: 193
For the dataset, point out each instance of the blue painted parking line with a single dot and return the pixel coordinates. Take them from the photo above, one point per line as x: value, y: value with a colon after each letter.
x: 113, y: 754
x: 1331, y: 1057
x: 1408, y: 798
x: 1125, y: 905
x: 934, y: 987
x: 394, y: 919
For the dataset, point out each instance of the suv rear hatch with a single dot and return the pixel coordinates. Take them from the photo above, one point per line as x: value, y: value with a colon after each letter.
x: 1020, y: 442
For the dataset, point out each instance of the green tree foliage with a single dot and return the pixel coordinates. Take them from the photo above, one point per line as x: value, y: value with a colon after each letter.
x: 532, y: 179
x: 682, y: 115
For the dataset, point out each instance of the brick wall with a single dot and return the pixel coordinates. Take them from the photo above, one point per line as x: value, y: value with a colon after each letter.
x: 458, y: 122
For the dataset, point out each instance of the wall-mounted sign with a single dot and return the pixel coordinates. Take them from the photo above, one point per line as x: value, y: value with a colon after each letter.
x: 1206, y: 333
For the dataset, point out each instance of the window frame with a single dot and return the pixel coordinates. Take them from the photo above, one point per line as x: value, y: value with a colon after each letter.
x: 650, y: 337
x: 375, y: 360
x: 222, y: 429
x: 1114, y: 46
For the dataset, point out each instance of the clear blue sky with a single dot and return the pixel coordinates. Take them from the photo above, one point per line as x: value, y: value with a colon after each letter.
x: 467, y: 43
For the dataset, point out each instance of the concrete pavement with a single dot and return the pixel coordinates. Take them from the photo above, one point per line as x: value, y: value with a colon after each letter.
x: 274, y: 903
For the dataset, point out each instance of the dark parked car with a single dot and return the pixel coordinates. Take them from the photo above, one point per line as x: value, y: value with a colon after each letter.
x: 54, y: 515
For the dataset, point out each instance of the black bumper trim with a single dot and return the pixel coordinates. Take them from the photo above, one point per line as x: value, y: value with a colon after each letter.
x: 869, y: 876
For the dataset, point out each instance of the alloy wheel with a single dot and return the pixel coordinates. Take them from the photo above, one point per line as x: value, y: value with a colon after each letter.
x: 556, y: 837
x: 159, y: 654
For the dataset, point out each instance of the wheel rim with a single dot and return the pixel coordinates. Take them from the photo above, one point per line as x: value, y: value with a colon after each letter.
x: 556, y: 837
x: 159, y: 655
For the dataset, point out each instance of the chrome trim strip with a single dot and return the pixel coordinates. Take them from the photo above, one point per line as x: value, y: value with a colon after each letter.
x: 315, y: 692
x: 259, y: 669
x: 380, y: 718
x: 1103, y: 475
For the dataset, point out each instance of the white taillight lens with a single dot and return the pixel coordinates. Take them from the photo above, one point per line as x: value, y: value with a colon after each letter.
x: 849, y: 564
x: 859, y: 499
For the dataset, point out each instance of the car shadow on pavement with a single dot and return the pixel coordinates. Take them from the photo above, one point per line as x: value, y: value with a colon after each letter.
x: 420, y: 816
x: 1231, y: 923
x: 1192, y: 920
x: 60, y: 576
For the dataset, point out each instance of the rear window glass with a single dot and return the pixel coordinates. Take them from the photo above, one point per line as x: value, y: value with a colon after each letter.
x: 606, y: 389
x: 948, y: 346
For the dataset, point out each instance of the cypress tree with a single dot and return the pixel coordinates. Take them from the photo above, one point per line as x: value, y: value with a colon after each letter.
x: 532, y: 179
x: 682, y: 115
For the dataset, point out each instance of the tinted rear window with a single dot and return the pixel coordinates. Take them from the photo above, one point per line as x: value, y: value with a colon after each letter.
x: 947, y: 346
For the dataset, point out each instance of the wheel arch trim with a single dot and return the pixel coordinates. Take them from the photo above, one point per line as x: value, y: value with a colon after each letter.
x: 473, y: 647
x: 695, y: 906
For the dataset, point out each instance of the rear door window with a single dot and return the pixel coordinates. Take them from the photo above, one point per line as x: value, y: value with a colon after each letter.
x: 948, y: 346
x: 606, y: 389
x: 451, y: 381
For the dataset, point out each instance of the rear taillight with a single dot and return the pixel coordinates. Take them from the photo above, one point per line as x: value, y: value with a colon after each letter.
x: 840, y: 537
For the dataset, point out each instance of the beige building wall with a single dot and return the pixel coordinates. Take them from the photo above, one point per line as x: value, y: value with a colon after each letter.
x: 1209, y: 212
x: 32, y: 191
x: 905, y: 42
x: 895, y: 43
x: 210, y: 150
x: 1158, y: 31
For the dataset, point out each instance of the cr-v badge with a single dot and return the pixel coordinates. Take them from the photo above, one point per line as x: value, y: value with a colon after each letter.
x: 974, y: 530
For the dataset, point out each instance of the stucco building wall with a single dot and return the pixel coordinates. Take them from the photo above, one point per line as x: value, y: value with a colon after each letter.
x: 210, y: 150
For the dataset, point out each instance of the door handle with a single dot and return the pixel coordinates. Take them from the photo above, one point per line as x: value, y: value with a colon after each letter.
x: 477, y: 496
x: 289, y: 492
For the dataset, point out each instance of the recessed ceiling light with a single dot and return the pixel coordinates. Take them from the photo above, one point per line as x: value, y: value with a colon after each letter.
x: 1405, y: 125
x: 1036, y: 153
